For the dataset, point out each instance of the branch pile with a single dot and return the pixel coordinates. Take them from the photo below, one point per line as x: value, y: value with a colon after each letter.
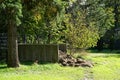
x: 68, y: 60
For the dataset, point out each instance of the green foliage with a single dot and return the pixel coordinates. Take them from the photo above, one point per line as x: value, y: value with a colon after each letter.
x: 88, y: 21
x: 13, y: 9
x: 10, y: 9
x: 80, y: 32
x: 79, y: 22
x: 81, y: 36
x: 112, y: 22
x: 43, y: 20
x: 102, y: 16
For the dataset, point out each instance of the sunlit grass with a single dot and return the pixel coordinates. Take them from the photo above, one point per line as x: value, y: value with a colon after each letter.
x: 41, y: 72
x: 106, y: 67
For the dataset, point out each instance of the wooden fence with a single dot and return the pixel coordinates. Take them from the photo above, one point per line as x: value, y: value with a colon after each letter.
x: 41, y: 53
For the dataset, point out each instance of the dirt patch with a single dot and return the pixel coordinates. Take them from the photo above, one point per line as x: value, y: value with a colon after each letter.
x: 68, y: 60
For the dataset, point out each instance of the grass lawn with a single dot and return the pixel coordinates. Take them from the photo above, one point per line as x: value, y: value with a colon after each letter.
x: 41, y: 72
x: 107, y: 67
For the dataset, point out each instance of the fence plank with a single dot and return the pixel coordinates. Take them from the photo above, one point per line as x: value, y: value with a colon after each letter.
x: 42, y: 53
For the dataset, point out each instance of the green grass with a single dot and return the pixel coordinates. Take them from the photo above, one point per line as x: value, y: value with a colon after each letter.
x: 41, y: 72
x: 106, y: 67
x: 106, y: 64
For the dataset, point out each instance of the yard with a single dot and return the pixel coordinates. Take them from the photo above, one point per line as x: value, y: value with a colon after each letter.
x: 106, y: 67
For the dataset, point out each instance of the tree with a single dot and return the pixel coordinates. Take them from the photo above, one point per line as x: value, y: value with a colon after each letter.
x: 43, y: 20
x: 80, y: 32
x: 1, y: 1
x: 88, y: 18
x: 13, y: 13
x: 111, y: 36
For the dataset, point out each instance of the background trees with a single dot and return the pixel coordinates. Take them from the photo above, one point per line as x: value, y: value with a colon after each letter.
x: 92, y: 18
x: 53, y: 21
x: 111, y: 36
x: 79, y: 32
x: 42, y: 21
x: 80, y: 23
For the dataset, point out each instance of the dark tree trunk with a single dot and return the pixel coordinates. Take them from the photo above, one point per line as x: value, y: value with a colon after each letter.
x: 1, y: 1
x: 12, y: 59
x: 49, y: 32
x: 116, y: 15
x: 49, y: 37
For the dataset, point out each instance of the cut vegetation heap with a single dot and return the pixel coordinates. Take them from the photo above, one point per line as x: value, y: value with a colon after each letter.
x: 68, y: 60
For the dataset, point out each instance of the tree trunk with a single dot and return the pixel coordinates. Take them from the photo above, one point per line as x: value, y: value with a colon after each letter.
x: 1, y: 1
x: 13, y: 60
x: 116, y: 12
x: 49, y: 37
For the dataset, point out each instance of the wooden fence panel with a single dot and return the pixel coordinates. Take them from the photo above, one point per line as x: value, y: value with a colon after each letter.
x: 42, y: 53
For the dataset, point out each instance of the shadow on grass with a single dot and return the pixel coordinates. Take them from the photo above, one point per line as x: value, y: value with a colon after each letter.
x: 30, y: 63
x: 105, y: 51
x: 3, y: 67
x: 27, y: 63
x: 3, y: 64
x: 114, y: 55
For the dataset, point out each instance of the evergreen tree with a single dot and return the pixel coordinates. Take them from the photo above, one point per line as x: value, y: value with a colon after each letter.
x: 12, y: 10
x: 42, y: 20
